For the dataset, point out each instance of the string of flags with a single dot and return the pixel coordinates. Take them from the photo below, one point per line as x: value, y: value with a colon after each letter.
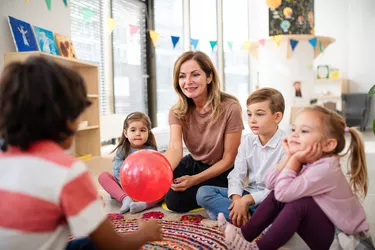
x: 88, y: 14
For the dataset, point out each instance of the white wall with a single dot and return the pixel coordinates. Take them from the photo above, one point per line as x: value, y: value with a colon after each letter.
x: 36, y: 13
x: 351, y: 23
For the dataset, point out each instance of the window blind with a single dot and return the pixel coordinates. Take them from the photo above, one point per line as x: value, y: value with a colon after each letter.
x: 168, y: 22
x: 129, y: 56
x: 87, y: 37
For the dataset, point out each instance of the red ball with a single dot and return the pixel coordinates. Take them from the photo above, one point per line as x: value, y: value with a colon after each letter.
x: 146, y: 175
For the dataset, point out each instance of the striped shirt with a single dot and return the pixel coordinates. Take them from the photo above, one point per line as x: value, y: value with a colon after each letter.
x: 45, y: 195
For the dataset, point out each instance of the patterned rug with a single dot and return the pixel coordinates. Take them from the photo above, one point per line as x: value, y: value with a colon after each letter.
x: 190, y: 232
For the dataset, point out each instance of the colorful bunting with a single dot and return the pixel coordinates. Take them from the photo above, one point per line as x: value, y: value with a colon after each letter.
x: 230, y: 44
x: 194, y: 42
x: 309, y: 67
x: 111, y: 24
x: 277, y: 39
x: 175, y: 40
x: 87, y: 14
x: 27, y: 1
x: 213, y: 44
x: 48, y: 2
x: 321, y: 47
x: 262, y: 42
x: 313, y: 41
x: 154, y: 37
x: 293, y: 43
x: 133, y: 29
x: 246, y: 44
x: 66, y: 3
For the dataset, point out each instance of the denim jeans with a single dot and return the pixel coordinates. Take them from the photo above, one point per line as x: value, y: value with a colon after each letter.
x: 215, y: 200
x: 81, y: 244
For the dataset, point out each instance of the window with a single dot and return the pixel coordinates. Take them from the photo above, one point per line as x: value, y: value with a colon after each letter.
x: 129, y: 56
x: 168, y: 22
x: 87, y: 38
x: 236, y: 59
x: 203, y: 26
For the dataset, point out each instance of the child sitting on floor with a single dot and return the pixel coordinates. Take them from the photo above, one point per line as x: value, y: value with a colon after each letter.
x: 45, y: 193
x: 136, y: 135
x: 256, y: 153
x: 311, y: 196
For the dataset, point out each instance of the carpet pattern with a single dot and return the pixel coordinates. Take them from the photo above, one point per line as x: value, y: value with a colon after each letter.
x: 190, y: 232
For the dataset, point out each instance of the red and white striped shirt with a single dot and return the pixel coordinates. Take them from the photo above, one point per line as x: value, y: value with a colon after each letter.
x: 45, y: 194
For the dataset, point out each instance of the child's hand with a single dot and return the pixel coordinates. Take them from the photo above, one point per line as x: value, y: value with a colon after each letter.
x: 286, y: 148
x: 239, y: 214
x: 309, y: 155
x: 151, y: 230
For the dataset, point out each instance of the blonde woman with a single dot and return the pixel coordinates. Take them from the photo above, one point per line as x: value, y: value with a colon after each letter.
x: 210, y: 123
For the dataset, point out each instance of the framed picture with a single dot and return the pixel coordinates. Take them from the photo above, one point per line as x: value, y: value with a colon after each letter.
x: 23, y: 35
x: 297, y: 88
x: 290, y: 17
x: 46, y: 41
x: 65, y: 46
x: 323, y: 72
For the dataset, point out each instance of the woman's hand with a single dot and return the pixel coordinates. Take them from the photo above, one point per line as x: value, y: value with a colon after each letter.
x: 184, y: 182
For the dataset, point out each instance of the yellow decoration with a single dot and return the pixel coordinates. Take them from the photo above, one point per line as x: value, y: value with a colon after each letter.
x: 27, y: 1
x: 277, y: 39
x: 111, y: 24
x: 154, y: 37
x: 273, y: 4
x: 246, y: 44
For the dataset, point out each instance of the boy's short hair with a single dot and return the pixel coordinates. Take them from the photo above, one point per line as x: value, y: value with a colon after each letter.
x: 276, y: 99
x: 37, y: 98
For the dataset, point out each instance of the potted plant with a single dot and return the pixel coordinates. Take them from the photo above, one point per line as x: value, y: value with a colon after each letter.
x: 371, y: 92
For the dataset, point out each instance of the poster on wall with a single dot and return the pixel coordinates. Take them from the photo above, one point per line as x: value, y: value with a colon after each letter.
x: 291, y: 17
x: 46, y: 41
x: 23, y: 35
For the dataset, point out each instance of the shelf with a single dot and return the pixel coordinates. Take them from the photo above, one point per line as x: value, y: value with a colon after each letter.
x: 328, y: 80
x: 92, y: 96
x: 88, y: 128
x: 324, y: 97
x: 60, y: 59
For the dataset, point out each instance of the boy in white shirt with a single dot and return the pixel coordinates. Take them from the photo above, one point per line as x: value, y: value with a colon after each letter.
x: 256, y: 153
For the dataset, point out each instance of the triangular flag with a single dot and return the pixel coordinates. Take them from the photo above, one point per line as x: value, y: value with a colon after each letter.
x: 27, y: 1
x: 175, y: 40
x: 261, y: 42
x: 87, y: 14
x: 293, y: 43
x: 230, y: 44
x: 48, y: 2
x: 246, y: 44
x: 321, y: 47
x: 154, y: 37
x: 309, y: 67
x: 277, y: 39
x: 111, y: 24
x: 194, y: 42
x: 213, y: 44
x: 66, y: 3
x: 313, y: 41
x: 133, y: 29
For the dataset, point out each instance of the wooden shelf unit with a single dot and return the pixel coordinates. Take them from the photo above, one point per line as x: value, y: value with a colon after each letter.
x: 87, y: 139
x: 330, y: 90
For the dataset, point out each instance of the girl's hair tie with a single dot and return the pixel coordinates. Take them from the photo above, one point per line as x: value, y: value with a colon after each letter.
x: 346, y: 129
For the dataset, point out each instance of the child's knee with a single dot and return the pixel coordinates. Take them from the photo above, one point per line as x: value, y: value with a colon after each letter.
x: 104, y: 176
x: 204, y: 193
